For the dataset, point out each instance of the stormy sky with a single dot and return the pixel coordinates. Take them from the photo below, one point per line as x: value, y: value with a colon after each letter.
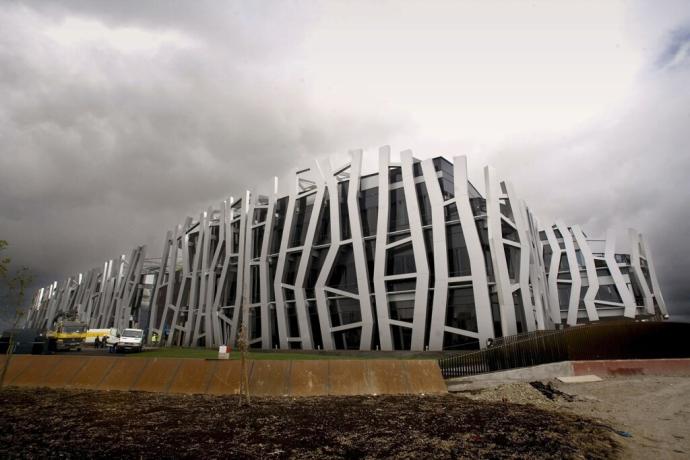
x: 118, y: 119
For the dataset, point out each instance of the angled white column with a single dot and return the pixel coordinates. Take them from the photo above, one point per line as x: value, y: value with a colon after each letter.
x: 380, y: 253
x: 635, y: 264
x: 438, y: 231
x: 358, y: 251
x: 554, y: 302
x: 280, y: 268
x: 656, y: 288
x: 498, y: 256
x: 421, y: 264
x: 300, y: 292
x: 525, y: 248
x: 264, y: 280
x: 321, y: 295
x: 575, y: 279
x: 623, y: 291
x: 592, y: 278
x: 480, y: 287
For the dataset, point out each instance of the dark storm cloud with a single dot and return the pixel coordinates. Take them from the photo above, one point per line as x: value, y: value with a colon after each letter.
x: 104, y: 148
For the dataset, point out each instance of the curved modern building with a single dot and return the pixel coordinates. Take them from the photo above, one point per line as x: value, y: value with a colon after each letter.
x: 411, y: 257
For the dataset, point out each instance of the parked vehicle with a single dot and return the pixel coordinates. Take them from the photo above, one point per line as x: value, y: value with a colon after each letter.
x: 67, y: 335
x: 131, y: 339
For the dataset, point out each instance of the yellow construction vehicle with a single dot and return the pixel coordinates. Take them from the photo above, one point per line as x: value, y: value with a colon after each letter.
x: 67, y: 335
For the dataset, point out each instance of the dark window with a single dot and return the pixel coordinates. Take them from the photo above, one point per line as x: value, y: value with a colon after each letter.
x: 254, y: 323
x: 400, y: 260
x: 300, y: 221
x: 402, y: 337
x: 520, y: 319
x: 424, y: 203
x: 450, y: 213
x: 513, y: 261
x: 344, y: 310
x: 429, y: 244
x: 496, y: 314
x: 564, y: 265
x: 343, y: 274
x: 401, y: 310
x: 547, y: 257
x: 459, y: 342
x: 292, y: 321
x: 344, y: 214
x: 506, y: 209
x: 257, y: 241
x: 318, y: 257
x: 259, y: 215
x: 397, y: 212
x: 478, y: 206
x: 291, y: 266
x: 484, y: 239
x: 348, y: 339
x: 509, y: 233
x: 608, y: 293
x: 368, y: 209
x: 446, y: 184
x: 460, y: 312
x: 256, y: 291
x: 272, y: 265
x: 394, y: 174
x: 315, y: 325
x: 323, y: 229
x: 370, y: 251
x: 458, y: 258
x: 278, y: 223
x: 564, y: 295
x: 401, y: 285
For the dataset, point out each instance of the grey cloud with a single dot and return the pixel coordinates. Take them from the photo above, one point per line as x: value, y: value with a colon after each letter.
x: 632, y: 172
x: 106, y: 150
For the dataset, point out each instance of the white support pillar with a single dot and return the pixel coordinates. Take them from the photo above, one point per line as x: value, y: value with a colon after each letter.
x: 421, y: 264
x: 592, y: 278
x: 525, y: 248
x: 575, y: 279
x: 503, y: 283
x: 480, y: 287
x: 635, y: 264
x: 553, y: 274
x: 438, y: 231
x: 359, y: 252
x: 656, y: 288
x: 380, y: 254
x: 623, y: 291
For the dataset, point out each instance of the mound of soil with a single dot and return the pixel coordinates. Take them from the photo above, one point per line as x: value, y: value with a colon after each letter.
x: 91, y: 424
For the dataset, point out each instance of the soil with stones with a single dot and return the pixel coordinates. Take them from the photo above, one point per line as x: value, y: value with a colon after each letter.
x: 90, y: 424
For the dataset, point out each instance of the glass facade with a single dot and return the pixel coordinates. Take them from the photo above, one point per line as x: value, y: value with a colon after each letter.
x: 423, y: 300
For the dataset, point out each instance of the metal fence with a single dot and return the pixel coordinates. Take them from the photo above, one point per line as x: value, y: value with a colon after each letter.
x: 606, y: 340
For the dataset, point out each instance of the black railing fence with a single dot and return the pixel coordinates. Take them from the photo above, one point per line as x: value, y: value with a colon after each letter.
x: 605, y: 340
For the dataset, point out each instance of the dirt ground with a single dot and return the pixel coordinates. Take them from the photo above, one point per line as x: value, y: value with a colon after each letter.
x: 654, y: 411
x: 87, y: 424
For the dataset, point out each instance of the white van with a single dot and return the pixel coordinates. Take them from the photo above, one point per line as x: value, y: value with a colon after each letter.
x: 130, y: 339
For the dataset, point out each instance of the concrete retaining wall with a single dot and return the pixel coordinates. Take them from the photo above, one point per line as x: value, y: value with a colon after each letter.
x: 632, y: 367
x: 602, y: 368
x: 219, y: 377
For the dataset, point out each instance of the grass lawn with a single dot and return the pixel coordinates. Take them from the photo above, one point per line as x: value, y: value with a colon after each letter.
x: 204, y: 353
